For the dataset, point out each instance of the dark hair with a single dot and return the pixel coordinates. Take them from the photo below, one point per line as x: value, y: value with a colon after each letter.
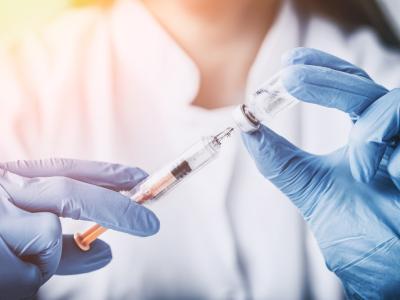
x: 349, y: 14
x: 353, y: 14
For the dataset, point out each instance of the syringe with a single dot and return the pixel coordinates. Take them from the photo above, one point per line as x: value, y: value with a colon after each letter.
x: 165, y: 179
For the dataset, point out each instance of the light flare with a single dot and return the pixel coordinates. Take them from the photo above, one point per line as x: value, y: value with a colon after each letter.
x: 18, y: 16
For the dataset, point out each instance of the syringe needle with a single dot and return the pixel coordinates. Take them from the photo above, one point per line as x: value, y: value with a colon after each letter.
x: 224, y: 134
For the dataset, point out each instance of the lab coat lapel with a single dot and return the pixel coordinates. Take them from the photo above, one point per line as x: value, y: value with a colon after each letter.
x: 285, y: 34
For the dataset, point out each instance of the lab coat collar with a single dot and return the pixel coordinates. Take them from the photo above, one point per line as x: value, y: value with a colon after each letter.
x: 139, y: 48
x: 148, y: 52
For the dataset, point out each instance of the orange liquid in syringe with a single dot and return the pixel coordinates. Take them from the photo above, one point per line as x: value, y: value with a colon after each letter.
x: 153, y: 191
x: 84, y: 240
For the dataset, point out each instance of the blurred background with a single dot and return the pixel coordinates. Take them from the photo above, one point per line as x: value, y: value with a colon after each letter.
x: 17, y: 16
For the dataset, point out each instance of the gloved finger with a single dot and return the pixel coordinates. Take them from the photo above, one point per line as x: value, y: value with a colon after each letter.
x: 112, y: 176
x: 70, y: 198
x: 19, y: 279
x: 286, y: 166
x: 75, y: 261
x: 34, y: 237
x: 331, y: 88
x: 373, y: 132
x: 393, y: 166
x: 314, y: 57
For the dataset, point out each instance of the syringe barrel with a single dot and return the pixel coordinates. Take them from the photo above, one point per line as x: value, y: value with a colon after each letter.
x: 168, y: 177
x: 164, y: 180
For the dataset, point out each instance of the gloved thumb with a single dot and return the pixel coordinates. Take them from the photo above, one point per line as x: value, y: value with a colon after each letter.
x: 365, y: 159
x: 289, y: 168
x: 75, y: 261
x: 375, y: 132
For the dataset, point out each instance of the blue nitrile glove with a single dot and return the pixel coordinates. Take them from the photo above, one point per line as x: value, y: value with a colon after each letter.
x: 350, y: 198
x: 34, y: 194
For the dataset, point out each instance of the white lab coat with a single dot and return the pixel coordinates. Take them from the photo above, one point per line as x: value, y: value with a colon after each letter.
x: 112, y: 85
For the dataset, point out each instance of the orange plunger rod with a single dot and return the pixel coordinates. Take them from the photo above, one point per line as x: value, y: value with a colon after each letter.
x: 83, y: 240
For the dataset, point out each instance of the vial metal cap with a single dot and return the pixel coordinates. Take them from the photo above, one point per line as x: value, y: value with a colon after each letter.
x: 244, y: 119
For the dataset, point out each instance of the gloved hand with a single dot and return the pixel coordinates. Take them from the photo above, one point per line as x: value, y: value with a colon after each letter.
x: 350, y: 198
x: 32, y: 247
